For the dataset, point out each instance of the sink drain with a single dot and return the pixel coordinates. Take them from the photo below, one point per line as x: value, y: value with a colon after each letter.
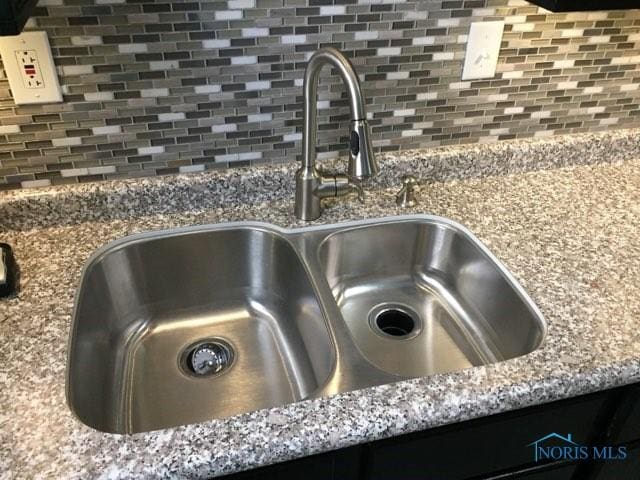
x: 207, y: 357
x: 395, y: 321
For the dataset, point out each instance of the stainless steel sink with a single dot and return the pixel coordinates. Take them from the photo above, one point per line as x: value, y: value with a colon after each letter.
x: 183, y: 326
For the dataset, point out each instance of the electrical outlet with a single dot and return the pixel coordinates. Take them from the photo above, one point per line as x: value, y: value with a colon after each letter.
x: 483, y: 49
x: 29, y: 68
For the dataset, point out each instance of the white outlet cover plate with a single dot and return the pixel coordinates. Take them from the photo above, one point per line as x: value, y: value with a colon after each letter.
x: 483, y: 49
x: 30, y: 85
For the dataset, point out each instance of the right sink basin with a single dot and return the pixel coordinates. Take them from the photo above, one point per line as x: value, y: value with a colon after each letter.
x: 422, y: 296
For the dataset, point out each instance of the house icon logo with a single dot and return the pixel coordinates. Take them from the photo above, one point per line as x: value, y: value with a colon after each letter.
x: 544, y: 446
x: 555, y: 446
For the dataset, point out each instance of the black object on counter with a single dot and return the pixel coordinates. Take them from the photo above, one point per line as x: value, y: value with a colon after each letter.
x: 585, y: 5
x: 14, y: 14
x: 8, y: 271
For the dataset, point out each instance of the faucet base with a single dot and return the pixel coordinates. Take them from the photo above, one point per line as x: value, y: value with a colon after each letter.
x: 307, y: 205
x: 312, y: 186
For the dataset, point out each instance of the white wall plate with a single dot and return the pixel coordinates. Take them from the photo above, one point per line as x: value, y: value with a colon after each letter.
x: 483, y: 49
x: 29, y: 67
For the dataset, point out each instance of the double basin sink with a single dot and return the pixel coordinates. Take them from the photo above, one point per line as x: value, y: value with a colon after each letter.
x: 183, y: 326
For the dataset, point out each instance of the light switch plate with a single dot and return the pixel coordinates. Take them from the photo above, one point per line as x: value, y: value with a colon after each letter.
x: 483, y: 49
x: 30, y: 69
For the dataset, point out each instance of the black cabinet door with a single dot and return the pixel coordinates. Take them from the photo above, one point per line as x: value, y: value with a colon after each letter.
x: 565, y: 472
x: 492, y: 444
x: 629, y: 469
x: 490, y: 448
x: 14, y: 14
x: 625, y: 424
x: 584, y: 5
x: 551, y: 472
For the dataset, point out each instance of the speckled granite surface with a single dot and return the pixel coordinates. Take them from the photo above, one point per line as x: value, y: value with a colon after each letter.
x: 67, y: 205
x: 570, y: 235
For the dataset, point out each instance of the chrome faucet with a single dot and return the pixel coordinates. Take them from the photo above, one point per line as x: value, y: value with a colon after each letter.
x: 311, y: 184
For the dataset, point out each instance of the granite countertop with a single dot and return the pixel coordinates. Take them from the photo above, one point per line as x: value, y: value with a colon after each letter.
x: 565, y: 224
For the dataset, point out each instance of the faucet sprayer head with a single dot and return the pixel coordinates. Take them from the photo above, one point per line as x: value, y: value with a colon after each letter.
x: 362, y: 161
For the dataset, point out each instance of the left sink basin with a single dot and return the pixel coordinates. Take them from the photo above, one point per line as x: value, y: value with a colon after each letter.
x: 172, y: 328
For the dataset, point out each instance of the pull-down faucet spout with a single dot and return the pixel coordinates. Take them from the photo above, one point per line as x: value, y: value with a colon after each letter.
x: 311, y: 184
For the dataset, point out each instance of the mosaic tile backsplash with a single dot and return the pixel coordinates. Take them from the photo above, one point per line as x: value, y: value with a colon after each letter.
x: 157, y: 87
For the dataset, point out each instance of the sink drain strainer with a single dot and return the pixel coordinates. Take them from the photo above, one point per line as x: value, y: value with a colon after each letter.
x: 207, y: 357
x: 395, y: 321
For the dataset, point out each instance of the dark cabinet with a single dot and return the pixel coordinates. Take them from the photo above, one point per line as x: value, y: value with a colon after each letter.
x: 561, y: 471
x: 628, y: 469
x: 584, y: 5
x: 489, y: 448
x: 625, y: 424
x: 484, y: 446
x: 14, y: 14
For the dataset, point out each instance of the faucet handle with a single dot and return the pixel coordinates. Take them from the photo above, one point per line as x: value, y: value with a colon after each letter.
x: 358, y: 190
x: 345, y: 185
